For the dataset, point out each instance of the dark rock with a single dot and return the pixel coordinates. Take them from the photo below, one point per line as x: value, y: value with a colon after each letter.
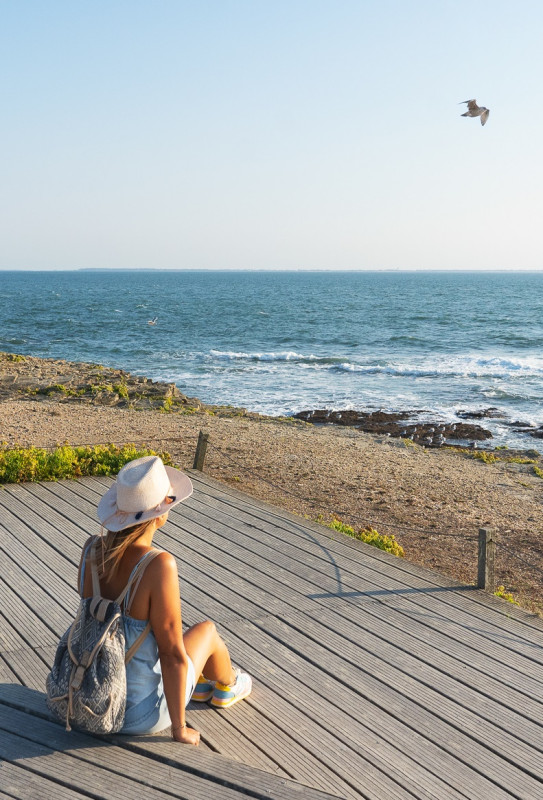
x: 485, y: 413
x: 392, y: 423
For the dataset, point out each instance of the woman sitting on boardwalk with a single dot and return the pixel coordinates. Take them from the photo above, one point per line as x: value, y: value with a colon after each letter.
x: 161, y: 676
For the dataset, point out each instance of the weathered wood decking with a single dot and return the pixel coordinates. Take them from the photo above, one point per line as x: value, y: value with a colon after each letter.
x: 373, y: 678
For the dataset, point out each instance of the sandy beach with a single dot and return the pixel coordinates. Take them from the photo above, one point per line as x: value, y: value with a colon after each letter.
x: 433, y: 500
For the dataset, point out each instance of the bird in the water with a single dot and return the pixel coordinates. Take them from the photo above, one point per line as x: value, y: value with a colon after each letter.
x: 475, y: 111
x: 152, y: 321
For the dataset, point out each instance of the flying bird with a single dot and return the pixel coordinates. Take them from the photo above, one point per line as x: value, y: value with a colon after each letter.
x: 152, y: 321
x: 475, y: 111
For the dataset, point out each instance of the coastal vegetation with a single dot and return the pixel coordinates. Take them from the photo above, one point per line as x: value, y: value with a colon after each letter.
x: 368, y: 535
x: 489, y: 457
x: 18, y: 465
x: 501, y: 592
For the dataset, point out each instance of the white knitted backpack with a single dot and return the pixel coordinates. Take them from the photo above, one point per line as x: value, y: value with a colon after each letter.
x: 87, y: 683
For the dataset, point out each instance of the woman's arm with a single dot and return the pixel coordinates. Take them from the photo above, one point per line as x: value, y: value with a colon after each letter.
x: 165, y: 618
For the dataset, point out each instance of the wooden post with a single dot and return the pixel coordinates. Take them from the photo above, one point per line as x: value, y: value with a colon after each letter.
x: 485, y: 565
x: 201, y: 448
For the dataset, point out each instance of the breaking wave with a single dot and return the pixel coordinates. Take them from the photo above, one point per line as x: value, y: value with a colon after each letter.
x: 443, y: 367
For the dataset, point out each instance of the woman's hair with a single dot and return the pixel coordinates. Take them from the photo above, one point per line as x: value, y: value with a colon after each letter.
x: 114, y: 545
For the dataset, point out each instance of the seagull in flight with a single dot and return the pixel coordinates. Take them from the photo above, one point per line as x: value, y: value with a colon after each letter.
x: 152, y: 321
x: 475, y: 111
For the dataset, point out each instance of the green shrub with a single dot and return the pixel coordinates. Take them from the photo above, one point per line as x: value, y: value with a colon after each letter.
x: 492, y: 458
x: 538, y: 472
x: 500, y: 592
x: 368, y: 535
x: 37, y: 464
x: 121, y: 389
x: 98, y: 388
x: 481, y: 455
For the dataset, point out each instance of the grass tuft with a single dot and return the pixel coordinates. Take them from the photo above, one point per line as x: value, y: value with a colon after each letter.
x: 368, y: 535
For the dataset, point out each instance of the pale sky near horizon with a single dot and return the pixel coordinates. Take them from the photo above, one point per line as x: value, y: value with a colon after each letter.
x: 293, y: 134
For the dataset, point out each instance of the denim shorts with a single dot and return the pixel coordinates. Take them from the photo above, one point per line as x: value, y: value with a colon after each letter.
x: 151, y: 715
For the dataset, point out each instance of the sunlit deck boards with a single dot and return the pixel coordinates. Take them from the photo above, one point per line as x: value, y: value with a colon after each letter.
x: 373, y: 678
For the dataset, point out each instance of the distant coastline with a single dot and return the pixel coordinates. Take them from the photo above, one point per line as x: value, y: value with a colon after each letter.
x: 273, y: 270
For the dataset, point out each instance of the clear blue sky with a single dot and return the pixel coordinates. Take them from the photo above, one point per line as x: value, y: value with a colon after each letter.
x: 270, y: 134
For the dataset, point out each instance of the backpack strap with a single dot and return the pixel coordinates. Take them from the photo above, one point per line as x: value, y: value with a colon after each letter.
x: 84, y: 564
x: 132, y: 587
x: 94, y: 570
x: 135, y: 577
x: 99, y: 604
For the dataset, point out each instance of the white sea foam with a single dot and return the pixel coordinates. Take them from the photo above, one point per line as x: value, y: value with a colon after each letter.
x: 444, y: 366
x: 453, y: 366
x: 286, y: 355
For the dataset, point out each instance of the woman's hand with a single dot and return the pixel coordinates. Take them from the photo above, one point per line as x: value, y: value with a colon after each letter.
x: 186, y: 735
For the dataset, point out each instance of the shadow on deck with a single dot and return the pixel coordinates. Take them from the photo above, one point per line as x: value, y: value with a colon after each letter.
x: 373, y: 678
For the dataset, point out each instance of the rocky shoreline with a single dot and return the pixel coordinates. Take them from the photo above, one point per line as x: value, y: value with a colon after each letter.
x: 416, y: 425
x: 30, y: 378
x: 25, y: 377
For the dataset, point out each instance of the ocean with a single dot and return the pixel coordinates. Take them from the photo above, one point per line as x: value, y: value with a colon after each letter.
x: 283, y: 342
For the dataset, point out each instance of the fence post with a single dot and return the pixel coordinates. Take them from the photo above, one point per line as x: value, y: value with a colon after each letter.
x: 485, y: 562
x: 200, y: 454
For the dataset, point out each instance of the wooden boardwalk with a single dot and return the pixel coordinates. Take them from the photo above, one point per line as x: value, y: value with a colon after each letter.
x: 373, y: 678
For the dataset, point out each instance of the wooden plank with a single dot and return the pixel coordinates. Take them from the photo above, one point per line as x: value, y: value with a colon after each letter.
x: 367, y: 575
x: 267, y: 658
x: 340, y: 704
x: 374, y: 634
x: 373, y: 739
x: 58, y: 499
x: 224, y: 736
x: 6, y: 673
x: 65, y: 547
x: 468, y: 655
x: 15, y: 611
x: 64, y: 769
x: 33, y: 599
x: 194, y: 774
x: 285, y: 755
x: 255, y: 580
x: 10, y: 638
x: 48, y: 517
x: 22, y: 784
x: 263, y: 511
x: 275, y: 576
x: 52, y: 581
x: 492, y: 724
x: 30, y: 666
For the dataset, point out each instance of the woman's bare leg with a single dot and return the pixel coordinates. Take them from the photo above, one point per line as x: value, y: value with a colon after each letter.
x: 208, y: 653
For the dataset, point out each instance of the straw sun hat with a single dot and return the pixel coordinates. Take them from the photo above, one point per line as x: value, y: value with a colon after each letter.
x: 141, y: 492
